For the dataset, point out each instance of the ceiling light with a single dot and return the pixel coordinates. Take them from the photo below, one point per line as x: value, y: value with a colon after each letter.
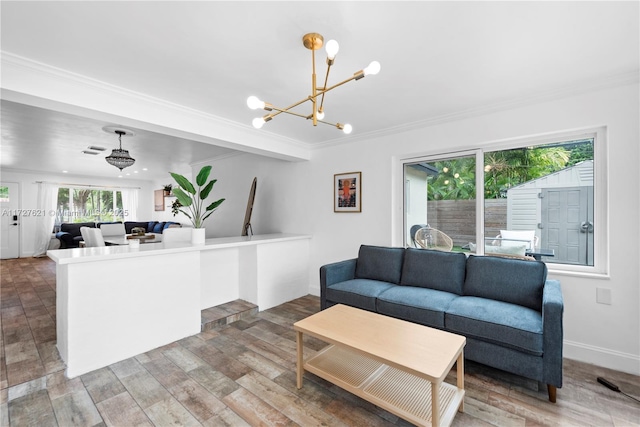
x: 313, y: 42
x: 119, y: 158
x: 93, y: 153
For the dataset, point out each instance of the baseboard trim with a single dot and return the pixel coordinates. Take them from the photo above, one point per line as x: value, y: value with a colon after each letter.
x: 617, y: 360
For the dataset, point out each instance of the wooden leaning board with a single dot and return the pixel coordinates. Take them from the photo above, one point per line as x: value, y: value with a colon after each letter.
x: 365, y: 360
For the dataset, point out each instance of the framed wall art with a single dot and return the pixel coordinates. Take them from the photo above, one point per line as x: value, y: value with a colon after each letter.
x: 347, y: 192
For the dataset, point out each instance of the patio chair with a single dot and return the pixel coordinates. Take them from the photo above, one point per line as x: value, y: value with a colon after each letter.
x: 430, y: 238
x: 412, y: 232
x: 511, y: 244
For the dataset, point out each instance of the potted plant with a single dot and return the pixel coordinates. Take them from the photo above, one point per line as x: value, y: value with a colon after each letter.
x: 167, y: 189
x: 192, y: 200
x: 175, y: 207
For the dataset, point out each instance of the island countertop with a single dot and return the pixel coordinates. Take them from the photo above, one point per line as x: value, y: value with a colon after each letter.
x: 79, y: 255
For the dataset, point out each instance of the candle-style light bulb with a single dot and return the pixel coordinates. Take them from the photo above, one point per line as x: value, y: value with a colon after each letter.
x: 332, y: 47
x: 258, y: 122
x: 254, y: 103
x: 373, y: 68
x: 347, y: 128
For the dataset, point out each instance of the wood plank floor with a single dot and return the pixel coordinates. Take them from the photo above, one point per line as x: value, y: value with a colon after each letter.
x: 244, y: 374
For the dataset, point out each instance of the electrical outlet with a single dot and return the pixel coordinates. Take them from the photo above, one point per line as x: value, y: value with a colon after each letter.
x: 603, y: 296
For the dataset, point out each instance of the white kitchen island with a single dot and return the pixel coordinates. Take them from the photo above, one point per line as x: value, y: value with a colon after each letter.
x: 115, y: 302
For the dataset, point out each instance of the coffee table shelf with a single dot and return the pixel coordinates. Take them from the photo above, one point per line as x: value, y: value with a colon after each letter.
x: 392, y: 389
x: 398, y: 365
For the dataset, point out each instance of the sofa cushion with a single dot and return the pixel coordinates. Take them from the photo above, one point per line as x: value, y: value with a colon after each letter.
x: 73, y: 228
x: 150, y: 226
x: 378, y: 263
x: 361, y: 293
x: 415, y: 304
x: 426, y: 268
x: 498, y: 322
x: 503, y: 279
x: 158, y: 227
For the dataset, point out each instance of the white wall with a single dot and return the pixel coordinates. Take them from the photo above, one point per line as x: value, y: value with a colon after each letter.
x: 281, y: 194
x: 29, y: 198
x: 607, y: 335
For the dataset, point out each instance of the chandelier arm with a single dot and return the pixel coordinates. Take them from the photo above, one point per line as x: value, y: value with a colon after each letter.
x: 307, y: 117
x: 324, y: 87
x: 328, y: 123
x: 284, y: 110
x: 356, y: 76
x: 290, y: 112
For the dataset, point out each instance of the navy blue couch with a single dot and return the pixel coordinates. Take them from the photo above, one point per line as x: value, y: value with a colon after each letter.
x: 508, y: 310
x: 70, y: 236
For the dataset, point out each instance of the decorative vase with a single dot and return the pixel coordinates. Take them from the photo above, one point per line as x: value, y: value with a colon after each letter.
x: 198, y: 236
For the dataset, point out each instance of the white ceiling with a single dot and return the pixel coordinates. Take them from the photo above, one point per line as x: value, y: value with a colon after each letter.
x: 439, y: 59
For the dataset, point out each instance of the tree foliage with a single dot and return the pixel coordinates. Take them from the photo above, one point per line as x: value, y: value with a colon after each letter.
x: 503, y: 169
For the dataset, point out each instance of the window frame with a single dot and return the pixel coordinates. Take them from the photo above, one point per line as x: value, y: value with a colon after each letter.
x: 115, y: 191
x: 600, y: 268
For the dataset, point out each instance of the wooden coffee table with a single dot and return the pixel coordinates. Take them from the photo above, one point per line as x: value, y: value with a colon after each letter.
x: 397, y: 365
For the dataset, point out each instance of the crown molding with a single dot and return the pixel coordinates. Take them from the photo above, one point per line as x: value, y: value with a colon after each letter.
x: 607, y: 82
x: 22, y: 76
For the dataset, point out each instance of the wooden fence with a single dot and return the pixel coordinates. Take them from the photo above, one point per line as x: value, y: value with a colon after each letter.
x: 457, y: 218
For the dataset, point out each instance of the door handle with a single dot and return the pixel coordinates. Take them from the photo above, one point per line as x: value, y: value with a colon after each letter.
x: 586, y: 227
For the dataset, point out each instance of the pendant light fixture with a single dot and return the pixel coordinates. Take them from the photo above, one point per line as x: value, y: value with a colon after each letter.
x: 313, y: 42
x: 119, y: 158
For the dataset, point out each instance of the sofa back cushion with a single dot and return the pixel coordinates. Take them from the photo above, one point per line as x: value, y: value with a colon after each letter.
x: 503, y: 279
x: 443, y: 271
x: 379, y: 263
x: 73, y: 228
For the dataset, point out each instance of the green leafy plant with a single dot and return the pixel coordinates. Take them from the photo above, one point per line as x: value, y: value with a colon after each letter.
x: 175, y: 207
x: 167, y: 188
x: 192, y: 200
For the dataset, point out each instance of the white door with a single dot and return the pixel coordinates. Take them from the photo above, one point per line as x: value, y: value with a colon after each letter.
x: 567, y: 224
x: 10, y: 220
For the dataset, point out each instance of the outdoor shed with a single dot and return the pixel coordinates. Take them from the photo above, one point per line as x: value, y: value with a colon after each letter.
x: 559, y: 206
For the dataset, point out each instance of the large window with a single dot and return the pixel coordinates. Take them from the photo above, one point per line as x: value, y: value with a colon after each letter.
x: 88, y: 204
x: 540, y: 198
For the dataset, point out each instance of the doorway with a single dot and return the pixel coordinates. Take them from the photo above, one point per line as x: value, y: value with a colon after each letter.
x: 9, y: 220
x: 567, y: 224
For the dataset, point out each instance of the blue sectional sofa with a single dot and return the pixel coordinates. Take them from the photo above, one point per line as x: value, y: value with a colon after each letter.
x: 508, y: 310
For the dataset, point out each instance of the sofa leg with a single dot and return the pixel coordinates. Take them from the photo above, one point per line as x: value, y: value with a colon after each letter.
x: 552, y: 393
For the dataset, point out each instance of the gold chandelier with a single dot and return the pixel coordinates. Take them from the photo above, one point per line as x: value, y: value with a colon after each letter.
x: 313, y: 42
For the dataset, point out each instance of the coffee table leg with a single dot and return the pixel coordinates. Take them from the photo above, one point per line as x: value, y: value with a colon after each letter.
x: 300, y: 367
x: 435, y: 404
x: 460, y: 375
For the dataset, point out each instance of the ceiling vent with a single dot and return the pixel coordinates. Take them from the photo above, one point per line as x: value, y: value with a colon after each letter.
x: 90, y: 152
x: 94, y: 148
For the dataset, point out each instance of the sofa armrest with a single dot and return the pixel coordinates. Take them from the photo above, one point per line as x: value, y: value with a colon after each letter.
x: 335, y: 273
x: 552, y: 311
x: 66, y: 239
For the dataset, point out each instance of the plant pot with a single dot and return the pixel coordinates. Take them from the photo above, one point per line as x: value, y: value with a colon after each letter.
x: 198, y: 236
